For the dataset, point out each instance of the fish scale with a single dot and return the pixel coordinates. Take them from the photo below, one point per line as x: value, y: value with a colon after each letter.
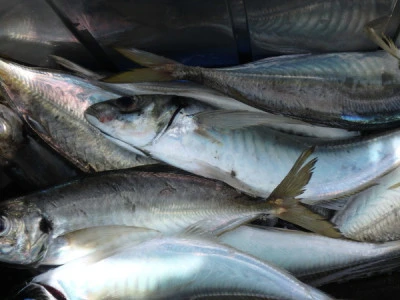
x: 185, y: 268
x: 319, y: 26
x: 373, y: 214
x: 57, y: 102
x: 214, y: 152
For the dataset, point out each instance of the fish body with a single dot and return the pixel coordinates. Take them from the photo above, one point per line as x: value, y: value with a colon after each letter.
x: 314, y: 26
x: 208, y: 96
x: 312, y: 258
x: 165, y: 202
x: 372, y: 215
x: 351, y: 90
x: 252, y: 159
x: 52, y: 103
x: 179, y: 268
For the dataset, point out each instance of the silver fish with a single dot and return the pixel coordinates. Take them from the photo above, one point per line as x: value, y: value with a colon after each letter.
x: 210, y: 97
x: 312, y: 258
x: 52, y: 103
x: 314, y: 26
x: 166, y: 202
x: 352, y: 90
x: 178, y: 268
x: 220, y: 145
x: 372, y: 215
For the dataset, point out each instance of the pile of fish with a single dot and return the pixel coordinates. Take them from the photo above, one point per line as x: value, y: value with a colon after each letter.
x: 179, y: 182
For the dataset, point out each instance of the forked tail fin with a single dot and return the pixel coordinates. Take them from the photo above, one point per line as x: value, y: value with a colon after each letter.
x: 158, y: 68
x: 288, y: 207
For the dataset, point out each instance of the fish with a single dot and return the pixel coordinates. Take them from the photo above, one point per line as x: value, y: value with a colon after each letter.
x: 372, y: 215
x: 348, y: 90
x: 312, y: 258
x: 26, y: 160
x: 52, y: 104
x: 174, y: 267
x: 209, y: 97
x: 314, y: 26
x: 224, y: 145
x: 167, y: 202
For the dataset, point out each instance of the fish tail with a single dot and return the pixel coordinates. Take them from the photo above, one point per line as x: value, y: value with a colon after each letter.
x: 375, y: 31
x: 288, y: 206
x: 158, y: 68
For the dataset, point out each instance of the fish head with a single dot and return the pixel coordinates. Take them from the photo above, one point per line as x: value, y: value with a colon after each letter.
x: 24, y: 233
x: 135, y: 120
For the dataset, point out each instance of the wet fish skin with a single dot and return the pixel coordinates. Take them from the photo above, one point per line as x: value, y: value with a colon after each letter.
x: 209, y: 96
x: 314, y: 26
x: 372, y: 215
x: 80, y: 243
x: 218, y: 153
x: 175, y: 267
x: 52, y: 103
x: 141, y: 199
x: 312, y: 258
x: 26, y: 160
x: 350, y: 90
x: 166, y: 202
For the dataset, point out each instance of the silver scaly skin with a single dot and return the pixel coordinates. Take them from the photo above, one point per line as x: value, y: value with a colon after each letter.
x: 313, y: 25
x: 350, y: 90
x: 178, y: 268
x: 162, y: 201
x: 53, y: 104
x: 251, y: 159
x: 313, y: 258
x: 373, y: 214
x: 208, y: 96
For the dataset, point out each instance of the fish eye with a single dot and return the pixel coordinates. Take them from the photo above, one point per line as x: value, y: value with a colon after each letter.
x: 6, y: 249
x: 4, y: 225
x: 126, y: 104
